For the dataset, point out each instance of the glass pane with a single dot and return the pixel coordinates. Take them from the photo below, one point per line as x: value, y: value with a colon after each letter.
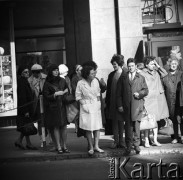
x: 42, y: 58
x: 165, y: 52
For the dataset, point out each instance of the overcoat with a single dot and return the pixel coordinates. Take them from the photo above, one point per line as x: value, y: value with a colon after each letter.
x: 155, y: 101
x: 55, y: 110
x: 108, y: 126
x: 25, y: 101
x: 90, y: 112
x: 170, y: 90
x: 32, y: 81
x: 133, y: 107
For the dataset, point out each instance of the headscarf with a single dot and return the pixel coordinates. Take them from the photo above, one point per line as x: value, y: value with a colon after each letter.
x: 50, y: 78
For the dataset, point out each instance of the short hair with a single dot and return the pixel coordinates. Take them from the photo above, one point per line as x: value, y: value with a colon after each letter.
x: 91, y: 64
x: 85, y: 72
x: 119, y: 59
x: 140, y: 66
x: 131, y: 60
x: 148, y: 59
x: 173, y: 59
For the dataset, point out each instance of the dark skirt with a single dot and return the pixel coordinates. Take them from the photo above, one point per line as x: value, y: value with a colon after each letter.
x: 55, y: 117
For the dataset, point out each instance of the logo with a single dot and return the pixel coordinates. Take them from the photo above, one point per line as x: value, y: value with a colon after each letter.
x: 119, y: 169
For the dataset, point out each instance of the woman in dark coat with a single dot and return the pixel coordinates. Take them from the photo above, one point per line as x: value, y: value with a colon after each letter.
x: 55, y: 111
x: 114, y: 119
x: 24, y: 95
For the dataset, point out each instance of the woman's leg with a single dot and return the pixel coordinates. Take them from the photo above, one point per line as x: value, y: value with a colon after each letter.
x: 57, y: 138
x: 29, y: 144
x: 155, y: 134
x: 64, y: 139
x: 18, y: 142
x: 90, y: 143
x: 146, y: 138
x: 96, y: 141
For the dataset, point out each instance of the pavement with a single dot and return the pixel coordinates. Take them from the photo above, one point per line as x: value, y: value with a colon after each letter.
x: 77, y: 146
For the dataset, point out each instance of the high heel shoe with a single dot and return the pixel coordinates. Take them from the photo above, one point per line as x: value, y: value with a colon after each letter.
x: 20, y: 146
x: 99, y: 150
x: 65, y: 150
x: 60, y: 151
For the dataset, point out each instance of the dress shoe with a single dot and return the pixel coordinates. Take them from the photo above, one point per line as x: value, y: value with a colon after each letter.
x: 20, y: 146
x: 65, y: 150
x: 114, y: 146
x: 59, y: 151
x: 146, y: 145
x: 127, y: 151
x: 122, y: 146
x: 31, y: 147
x: 99, y: 150
x: 137, y: 149
x: 175, y: 141
x: 91, y: 152
x: 156, y: 143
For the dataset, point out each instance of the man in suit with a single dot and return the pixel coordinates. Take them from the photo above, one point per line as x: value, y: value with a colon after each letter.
x: 132, y: 88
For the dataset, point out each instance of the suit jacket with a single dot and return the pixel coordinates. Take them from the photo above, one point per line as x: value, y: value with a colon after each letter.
x: 133, y: 107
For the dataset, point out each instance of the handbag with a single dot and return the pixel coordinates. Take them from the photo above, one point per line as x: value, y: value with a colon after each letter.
x: 148, y: 121
x: 72, y: 112
x: 68, y: 98
x: 167, y: 129
x: 29, y: 129
x: 26, y: 126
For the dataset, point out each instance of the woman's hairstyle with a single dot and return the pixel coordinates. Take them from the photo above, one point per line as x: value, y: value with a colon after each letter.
x: 85, y: 72
x: 91, y: 64
x: 131, y: 60
x: 148, y: 59
x: 119, y: 59
x: 50, y: 77
x: 173, y: 59
x: 21, y: 69
x: 77, y: 66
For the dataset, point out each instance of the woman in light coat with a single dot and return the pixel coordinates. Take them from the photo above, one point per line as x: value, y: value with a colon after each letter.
x: 171, y: 84
x: 88, y: 95
x: 155, y: 101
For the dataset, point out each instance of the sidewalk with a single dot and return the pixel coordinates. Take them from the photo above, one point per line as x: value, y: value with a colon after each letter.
x: 77, y: 146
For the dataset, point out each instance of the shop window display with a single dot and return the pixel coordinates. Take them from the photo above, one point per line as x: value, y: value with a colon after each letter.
x: 6, y: 85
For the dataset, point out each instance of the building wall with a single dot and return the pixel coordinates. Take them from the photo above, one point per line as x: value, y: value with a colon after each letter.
x: 102, y: 34
x: 103, y: 31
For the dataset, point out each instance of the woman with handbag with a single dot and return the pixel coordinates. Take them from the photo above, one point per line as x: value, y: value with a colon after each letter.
x: 55, y: 110
x: 25, y: 99
x: 155, y: 101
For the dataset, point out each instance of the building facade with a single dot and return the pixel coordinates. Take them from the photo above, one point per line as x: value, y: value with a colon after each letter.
x: 75, y: 31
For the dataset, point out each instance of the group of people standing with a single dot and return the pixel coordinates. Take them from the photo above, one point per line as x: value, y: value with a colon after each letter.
x: 130, y: 91
x: 145, y: 87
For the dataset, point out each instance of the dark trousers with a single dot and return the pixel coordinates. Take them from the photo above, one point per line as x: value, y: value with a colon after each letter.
x: 118, y: 128
x: 132, y: 133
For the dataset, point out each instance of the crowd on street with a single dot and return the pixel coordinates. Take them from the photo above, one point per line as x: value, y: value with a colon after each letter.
x: 141, y: 98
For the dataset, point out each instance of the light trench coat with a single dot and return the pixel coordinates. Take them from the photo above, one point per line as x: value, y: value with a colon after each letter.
x: 90, y: 112
x: 155, y: 101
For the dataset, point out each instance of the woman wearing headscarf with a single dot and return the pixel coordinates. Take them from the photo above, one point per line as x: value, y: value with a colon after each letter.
x: 24, y: 95
x: 55, y: 111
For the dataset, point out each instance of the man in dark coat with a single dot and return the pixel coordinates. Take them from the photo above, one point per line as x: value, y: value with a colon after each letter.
x: 132, y: 88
